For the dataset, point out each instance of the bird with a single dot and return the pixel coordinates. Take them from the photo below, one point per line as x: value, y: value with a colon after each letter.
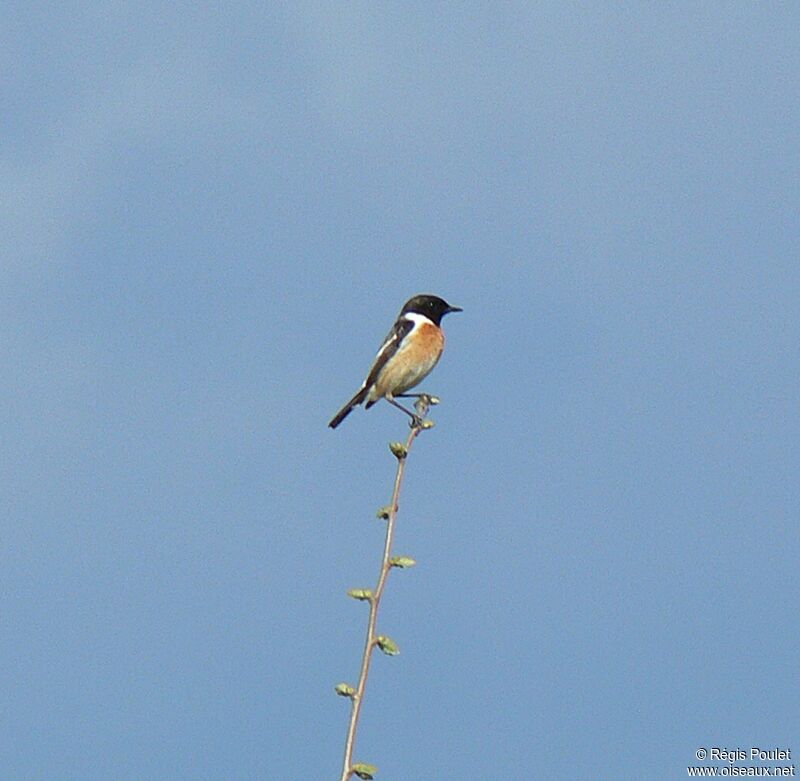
x: 407, y: 356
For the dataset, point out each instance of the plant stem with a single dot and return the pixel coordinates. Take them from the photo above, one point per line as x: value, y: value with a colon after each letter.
x: 358, y: 697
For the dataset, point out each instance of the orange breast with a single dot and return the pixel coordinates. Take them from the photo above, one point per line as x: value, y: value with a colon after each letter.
x: 412, y: 363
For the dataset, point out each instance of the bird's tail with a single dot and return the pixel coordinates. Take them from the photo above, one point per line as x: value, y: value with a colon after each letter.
x: 348, y: 408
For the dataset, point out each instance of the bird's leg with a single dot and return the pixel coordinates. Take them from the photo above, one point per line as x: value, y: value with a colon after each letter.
x: 431, y: 400
x: 424, y: 401
x: 416, y: 420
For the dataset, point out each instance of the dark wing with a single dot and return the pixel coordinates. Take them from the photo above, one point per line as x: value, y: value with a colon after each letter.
x: 393, y: 339
x: 389, y: 347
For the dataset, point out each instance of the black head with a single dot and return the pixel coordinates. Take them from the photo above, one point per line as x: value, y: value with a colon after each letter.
x: 433, y: 307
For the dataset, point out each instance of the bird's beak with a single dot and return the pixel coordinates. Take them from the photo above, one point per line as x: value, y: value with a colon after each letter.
x: 454, y: 309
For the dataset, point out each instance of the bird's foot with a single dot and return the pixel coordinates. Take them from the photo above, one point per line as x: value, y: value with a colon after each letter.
x: 422, y: 405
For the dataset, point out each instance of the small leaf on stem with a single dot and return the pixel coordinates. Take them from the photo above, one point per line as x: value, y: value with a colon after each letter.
x: 384, y: 512
x: 387, y: 645
x: 360, y: 593
x: 399, y: 450
x: 344, y: 690
x: 402, y: 561
x: 365, y: 771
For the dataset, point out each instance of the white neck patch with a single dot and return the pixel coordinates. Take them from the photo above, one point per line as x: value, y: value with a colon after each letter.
x: 417, y: 318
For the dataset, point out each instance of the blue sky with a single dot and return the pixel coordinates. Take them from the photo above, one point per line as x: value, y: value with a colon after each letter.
x: 211, y: 217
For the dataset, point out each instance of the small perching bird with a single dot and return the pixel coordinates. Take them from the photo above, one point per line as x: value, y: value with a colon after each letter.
x: 407, y: 356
